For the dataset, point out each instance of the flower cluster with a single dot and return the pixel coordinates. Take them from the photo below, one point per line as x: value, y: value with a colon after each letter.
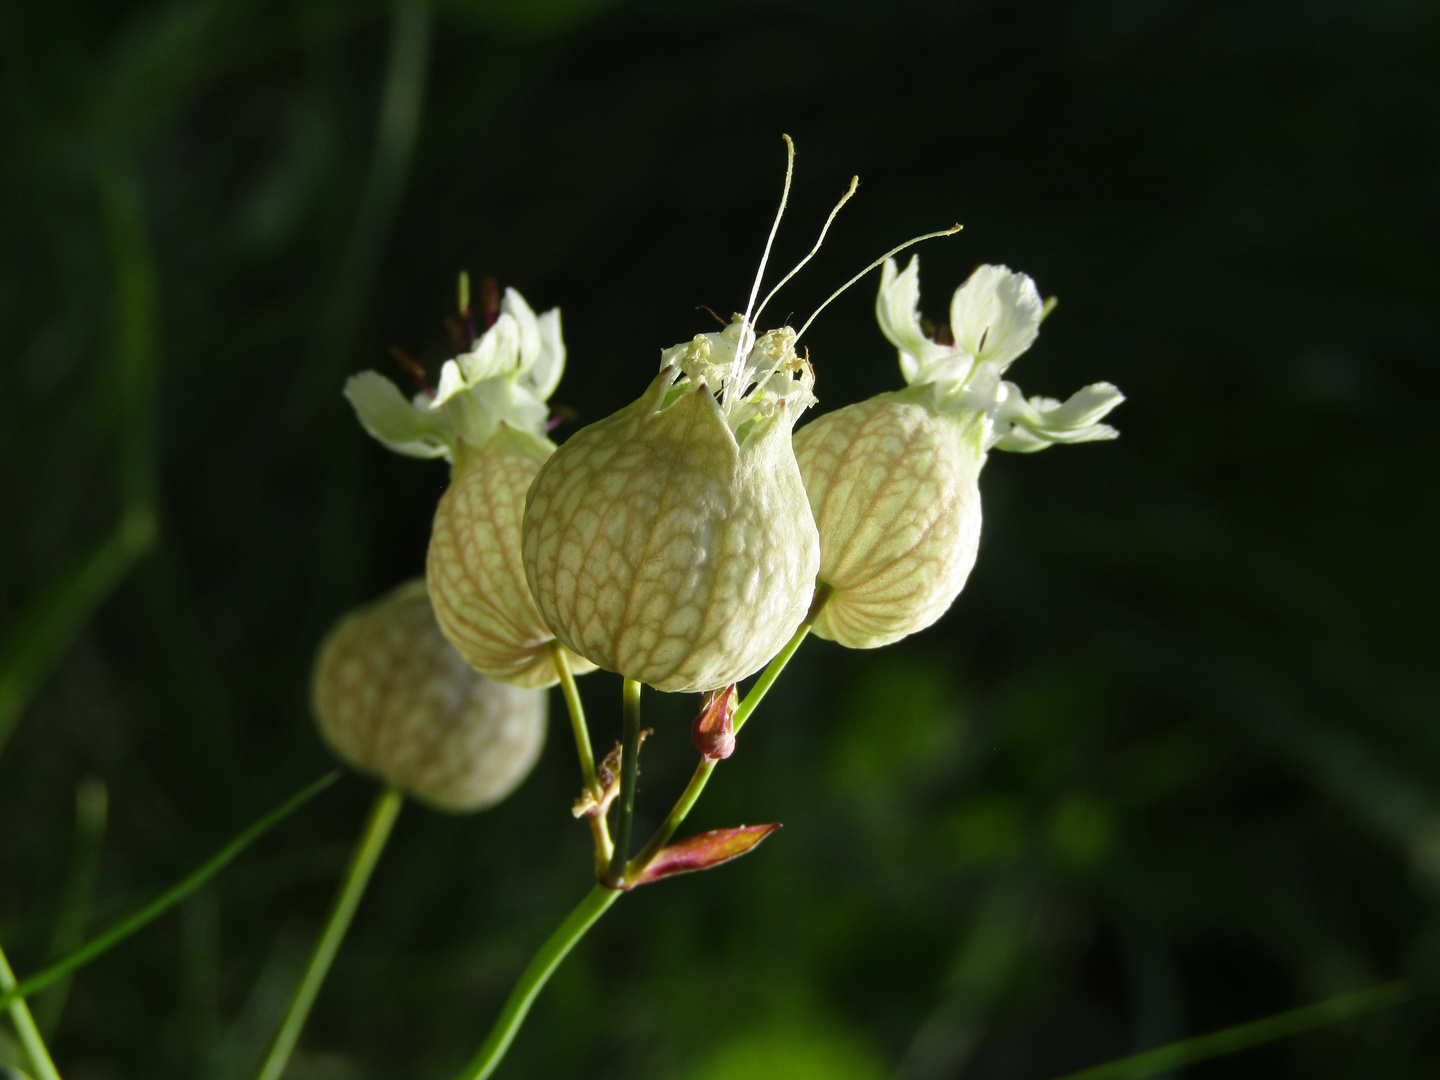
x: 685, y: 539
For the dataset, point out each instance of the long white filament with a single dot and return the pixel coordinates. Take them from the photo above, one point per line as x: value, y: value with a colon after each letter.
x: 889, y: 254
x: 742, y: 347
x: 849, y: 194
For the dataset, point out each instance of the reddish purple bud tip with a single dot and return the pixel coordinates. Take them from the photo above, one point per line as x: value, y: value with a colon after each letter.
x: 702, y: 852
x: 714, y: 729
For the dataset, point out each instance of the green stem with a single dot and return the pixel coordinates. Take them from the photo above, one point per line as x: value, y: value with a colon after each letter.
x: 773, y: 669
x: 629, y: 774
x: 698, y: 779
x: 40, y: 1063
x: 533, y: 980
x: 578, y: 727
x: 701, y: 775
x: 166, y: 900
x: 357, y: 876
x: 1242, y: 1036
x: 602, y: 896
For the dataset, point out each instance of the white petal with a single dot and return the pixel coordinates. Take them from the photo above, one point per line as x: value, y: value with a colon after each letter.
x: 545, y: 375
x: 496, y: 353
x: 451, y: 383
x: 1027, y: 426
x: 385, y: 414
x: 995, y: 315
x: 897, y: 308
x: 528, y: 338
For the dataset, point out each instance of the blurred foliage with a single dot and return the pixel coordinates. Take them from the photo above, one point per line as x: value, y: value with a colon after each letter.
x: 1172, y: 761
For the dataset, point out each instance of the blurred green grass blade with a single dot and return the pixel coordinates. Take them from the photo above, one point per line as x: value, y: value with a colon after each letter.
x: 137, y: 325
x: 30, y: 1037
x: 402, y: 107
x: 170, y: 897
x: 1243, y: 1036
x: 36, y: 644
x: 77, y: 900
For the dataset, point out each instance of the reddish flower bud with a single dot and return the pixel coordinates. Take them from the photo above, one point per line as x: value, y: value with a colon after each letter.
x: 714, y: 729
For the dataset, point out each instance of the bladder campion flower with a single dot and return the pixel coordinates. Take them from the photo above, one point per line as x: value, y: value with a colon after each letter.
x: 393, y: 698
x: 894, y: 481
x: 488, y: 418
x: 672, y: 541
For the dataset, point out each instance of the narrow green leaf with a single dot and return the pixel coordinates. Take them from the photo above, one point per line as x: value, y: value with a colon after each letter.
x: 39, y: 640
x: 170, y: 897
x: 1243, y: 1036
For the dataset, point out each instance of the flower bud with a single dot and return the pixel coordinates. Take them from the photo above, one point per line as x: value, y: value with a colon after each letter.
x: 487, y: 418
x: 672, y: 542
x: 894, y: 481
x: 713, y: 731
x: 393, y: 698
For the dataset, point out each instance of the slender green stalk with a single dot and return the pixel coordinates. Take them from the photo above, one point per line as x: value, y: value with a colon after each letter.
x: 352, y: 887
x: 698, y: 779
x: 40, y: 1063
x: 533, y: 980
x: 629, y: 775
x: 576, y: 710
x: 168, y: 899
x: 1242, y: 1036
x: 773, y: 669
x: 559, y: 944
x: 701, y: 776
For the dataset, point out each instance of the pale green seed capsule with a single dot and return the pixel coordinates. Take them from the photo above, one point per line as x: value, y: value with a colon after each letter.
x: 395, y: 700
x: 474, y: 570
x: 672, y: 542
x: 894, y: 489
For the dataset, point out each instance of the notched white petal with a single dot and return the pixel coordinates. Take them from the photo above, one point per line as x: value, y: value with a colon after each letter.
x: 995, y: 315
x: 897, y: 310
x: 544, y: 376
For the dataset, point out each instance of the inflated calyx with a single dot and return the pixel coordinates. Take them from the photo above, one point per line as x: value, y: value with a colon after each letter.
x: 488, y: 418
x: 672, y: 542
x: 394, y: 699
x: 893, y: 481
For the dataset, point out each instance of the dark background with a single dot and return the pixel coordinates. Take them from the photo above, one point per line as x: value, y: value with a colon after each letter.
x: 1171, y: 762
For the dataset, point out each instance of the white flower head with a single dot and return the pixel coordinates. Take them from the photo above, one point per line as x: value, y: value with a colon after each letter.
x: 994, y: 317
x: 507, y: 376
x: 766, y: 384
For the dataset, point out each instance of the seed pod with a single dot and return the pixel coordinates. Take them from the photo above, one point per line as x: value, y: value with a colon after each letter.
x: 672, y: 542
x: 394, y: 699
x: 893, y: 481
x: 474, y: 569
x: 894, y: 489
